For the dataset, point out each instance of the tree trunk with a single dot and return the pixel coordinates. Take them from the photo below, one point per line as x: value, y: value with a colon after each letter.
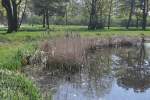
x: 7, y: 5
x: 145, y: 13
x: 44, y: 19
x: 66, y: 17
x: 131, y: 13
x: 137, y: 21
x: 109, y: 17
x: 23, y: 14
x: 93, y: 16
x: 12, y: 15
x: 10, y: 22
x: 47, y: 18
x: 15, y: 16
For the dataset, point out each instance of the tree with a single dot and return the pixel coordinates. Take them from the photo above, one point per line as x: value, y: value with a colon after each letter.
x: 145, y: 8
x: 11, y: 7
x: 109, y: 13
x: 12, y: 17
x: 132, y: 5
x: 75, y: 12
x: 2, y: 14
x: 98, y: 11
x: 137, y: 8
x: 48, y: 8
x: 138, y: 13
x: 93, y: 15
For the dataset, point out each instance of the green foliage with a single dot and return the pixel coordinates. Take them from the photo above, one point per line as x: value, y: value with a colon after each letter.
x: 34, y: 20
x: 2, y: 10
x: 11, y: 56
x: 12, y: 61
x: 17, y: 87
x: 53, y: 6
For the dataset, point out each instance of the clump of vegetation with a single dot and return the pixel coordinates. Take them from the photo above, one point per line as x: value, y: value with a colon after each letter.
x: 16, y: 60
x: 13, y: 62
x: 16, y: 87
x: 66, y: 52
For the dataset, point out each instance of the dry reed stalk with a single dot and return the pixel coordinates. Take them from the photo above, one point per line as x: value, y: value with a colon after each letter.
x: 68, y: 50
x: 72, y: 49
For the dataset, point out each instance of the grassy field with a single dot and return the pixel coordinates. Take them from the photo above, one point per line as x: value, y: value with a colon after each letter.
x: 13, y: 45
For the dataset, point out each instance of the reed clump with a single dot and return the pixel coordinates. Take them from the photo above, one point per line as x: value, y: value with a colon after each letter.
x: 71, y: 50
x: 67, y: 53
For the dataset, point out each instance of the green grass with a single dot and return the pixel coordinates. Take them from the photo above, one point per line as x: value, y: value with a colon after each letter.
x: 36, y: 31
x: 16, y: 87
x: 11, y: 55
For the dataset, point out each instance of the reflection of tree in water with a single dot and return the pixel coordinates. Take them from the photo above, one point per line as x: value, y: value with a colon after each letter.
x: 91, y: 83
x: 139, y: 80
x: 99, y: 71
x: 137, y: 73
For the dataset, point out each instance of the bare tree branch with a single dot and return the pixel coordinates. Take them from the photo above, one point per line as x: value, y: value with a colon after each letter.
x: 19, y: 2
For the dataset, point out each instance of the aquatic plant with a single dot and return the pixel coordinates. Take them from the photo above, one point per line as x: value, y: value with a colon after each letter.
x: 67, y: 52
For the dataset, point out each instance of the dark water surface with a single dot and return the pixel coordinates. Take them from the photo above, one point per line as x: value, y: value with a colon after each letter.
x: 109, y: 74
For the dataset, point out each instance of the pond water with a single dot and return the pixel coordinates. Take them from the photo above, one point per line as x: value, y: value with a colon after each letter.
x: 109, y: 74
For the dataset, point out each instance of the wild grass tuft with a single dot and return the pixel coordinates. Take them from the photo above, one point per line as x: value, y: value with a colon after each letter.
x: 63, y: 52
x: 14, y: 86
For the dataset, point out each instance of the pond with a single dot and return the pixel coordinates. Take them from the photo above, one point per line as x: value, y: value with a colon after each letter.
x: 121, y: 73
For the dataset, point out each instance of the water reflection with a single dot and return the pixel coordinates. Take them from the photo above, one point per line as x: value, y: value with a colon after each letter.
x: 91, y: 83
x: 135, y: 72
x: 108, y: 71
x: 108, y: 74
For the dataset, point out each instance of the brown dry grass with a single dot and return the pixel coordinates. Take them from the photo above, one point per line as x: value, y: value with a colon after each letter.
x: 72, y: 50
x: 68, y: 50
